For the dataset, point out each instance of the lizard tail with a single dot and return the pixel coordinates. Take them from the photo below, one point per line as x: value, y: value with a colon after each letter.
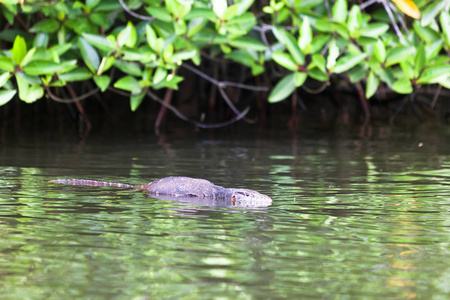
x: 90, y: 183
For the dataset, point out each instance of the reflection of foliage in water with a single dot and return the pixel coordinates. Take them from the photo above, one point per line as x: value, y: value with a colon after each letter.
x: 355, y: 218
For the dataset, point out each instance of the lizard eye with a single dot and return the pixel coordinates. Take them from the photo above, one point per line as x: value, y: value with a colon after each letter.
x: 246, y: 194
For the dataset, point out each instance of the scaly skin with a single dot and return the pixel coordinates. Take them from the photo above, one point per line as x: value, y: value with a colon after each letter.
x: 184, y: 187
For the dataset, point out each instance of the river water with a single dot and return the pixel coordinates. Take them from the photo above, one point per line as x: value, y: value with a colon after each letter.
x: 356, y: 214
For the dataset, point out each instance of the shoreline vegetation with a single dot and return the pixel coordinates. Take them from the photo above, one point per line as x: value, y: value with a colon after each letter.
x: 213, y: 63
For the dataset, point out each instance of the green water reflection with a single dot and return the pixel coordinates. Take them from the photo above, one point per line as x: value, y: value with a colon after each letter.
x: 348, y: 221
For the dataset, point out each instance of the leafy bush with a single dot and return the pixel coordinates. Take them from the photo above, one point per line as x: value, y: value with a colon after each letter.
x: 55, y: 44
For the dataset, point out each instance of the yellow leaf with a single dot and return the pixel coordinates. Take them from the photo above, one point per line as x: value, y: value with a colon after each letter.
x: 408, y: 7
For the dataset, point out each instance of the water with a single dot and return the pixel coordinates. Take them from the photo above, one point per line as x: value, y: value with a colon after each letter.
x: 352, y: 218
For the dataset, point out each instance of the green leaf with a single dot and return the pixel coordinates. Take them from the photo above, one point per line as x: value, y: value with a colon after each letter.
x: 339, y: 11
x: 136, y: 100
x: 219, y: 7
x: 325, y: 25
x: 79, y: 4
x: 445, y: 82
x: 6, y: 95
x: 60, y: 49
x: 268, y: 10
x: 89, y: 54
x: 282, y: 89
x: 230, y: 12
x: 6, y: 12
x: 333, y: 54
x: 372, y: 84
x: 128, y: 83
x: 375, y: 30
x: 347, y: 62
x: 92, y: 3
x: 247, y: 43
x: 102, y: 20
x: 36, y: 68
x: 398, y: 54
x: 152, y: 40
x: 108, y: 6
x: 180, y: 27
x: 358, y: 73
x: 46, y: 25
x: 168, y: 52
x: 407, y: 68
x: 445, y: 23
x: 102, y: 82
x: 28, y: 57
x: 257, y: 69
x: 306, y: 35
x: 142, y: 55
x: 243, y: 6
x: 41, y: 40
x: 6, y: 64
x: 285, y: 60
x: 419, y: 60
x: 127, y: 36
x: 160, y: 75
x: 210, y: 37
x: 200, y: 13
x: 364, y: 41
x: 241, y: 56
x: 180, y: 56
x: 179, y: 10
x: 78, y: 74
x: 241, y: 24
x: 33, y: 80
x: 432, y: 50
x: 130, y: 68
x: 28, y: 93
x: 386, y: 75
x: 354, y: 22
x: 160, y: 13
x: 318, y: 74
x: 319, y: 62
x: 107, y: 63
x: 434, y: 74
x: 171, y: 82
x: 300, y: 78
x: 4, y: 78
x: 19, y: 49
x: 429, y: 14
x: 81, y: 25
x: 427, y: 34
x: 195, y: 26
x: 403, y: 86
x: 99, y: 42
x: 341, y: 29
x: 379, y: 51
x: 318, y: 43
x: 288, y: 40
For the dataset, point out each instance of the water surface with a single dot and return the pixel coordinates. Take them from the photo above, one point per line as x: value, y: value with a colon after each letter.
x: 352, y: 217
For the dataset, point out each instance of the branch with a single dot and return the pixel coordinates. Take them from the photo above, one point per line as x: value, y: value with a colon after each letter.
x: 388, y: 7
x: 71, y: 100
x: 198, y: 124
x: 134, y: 14
x: 319, y: 90
x: 223, y: 84
x: 394, y: 24
x: 399, y: 18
